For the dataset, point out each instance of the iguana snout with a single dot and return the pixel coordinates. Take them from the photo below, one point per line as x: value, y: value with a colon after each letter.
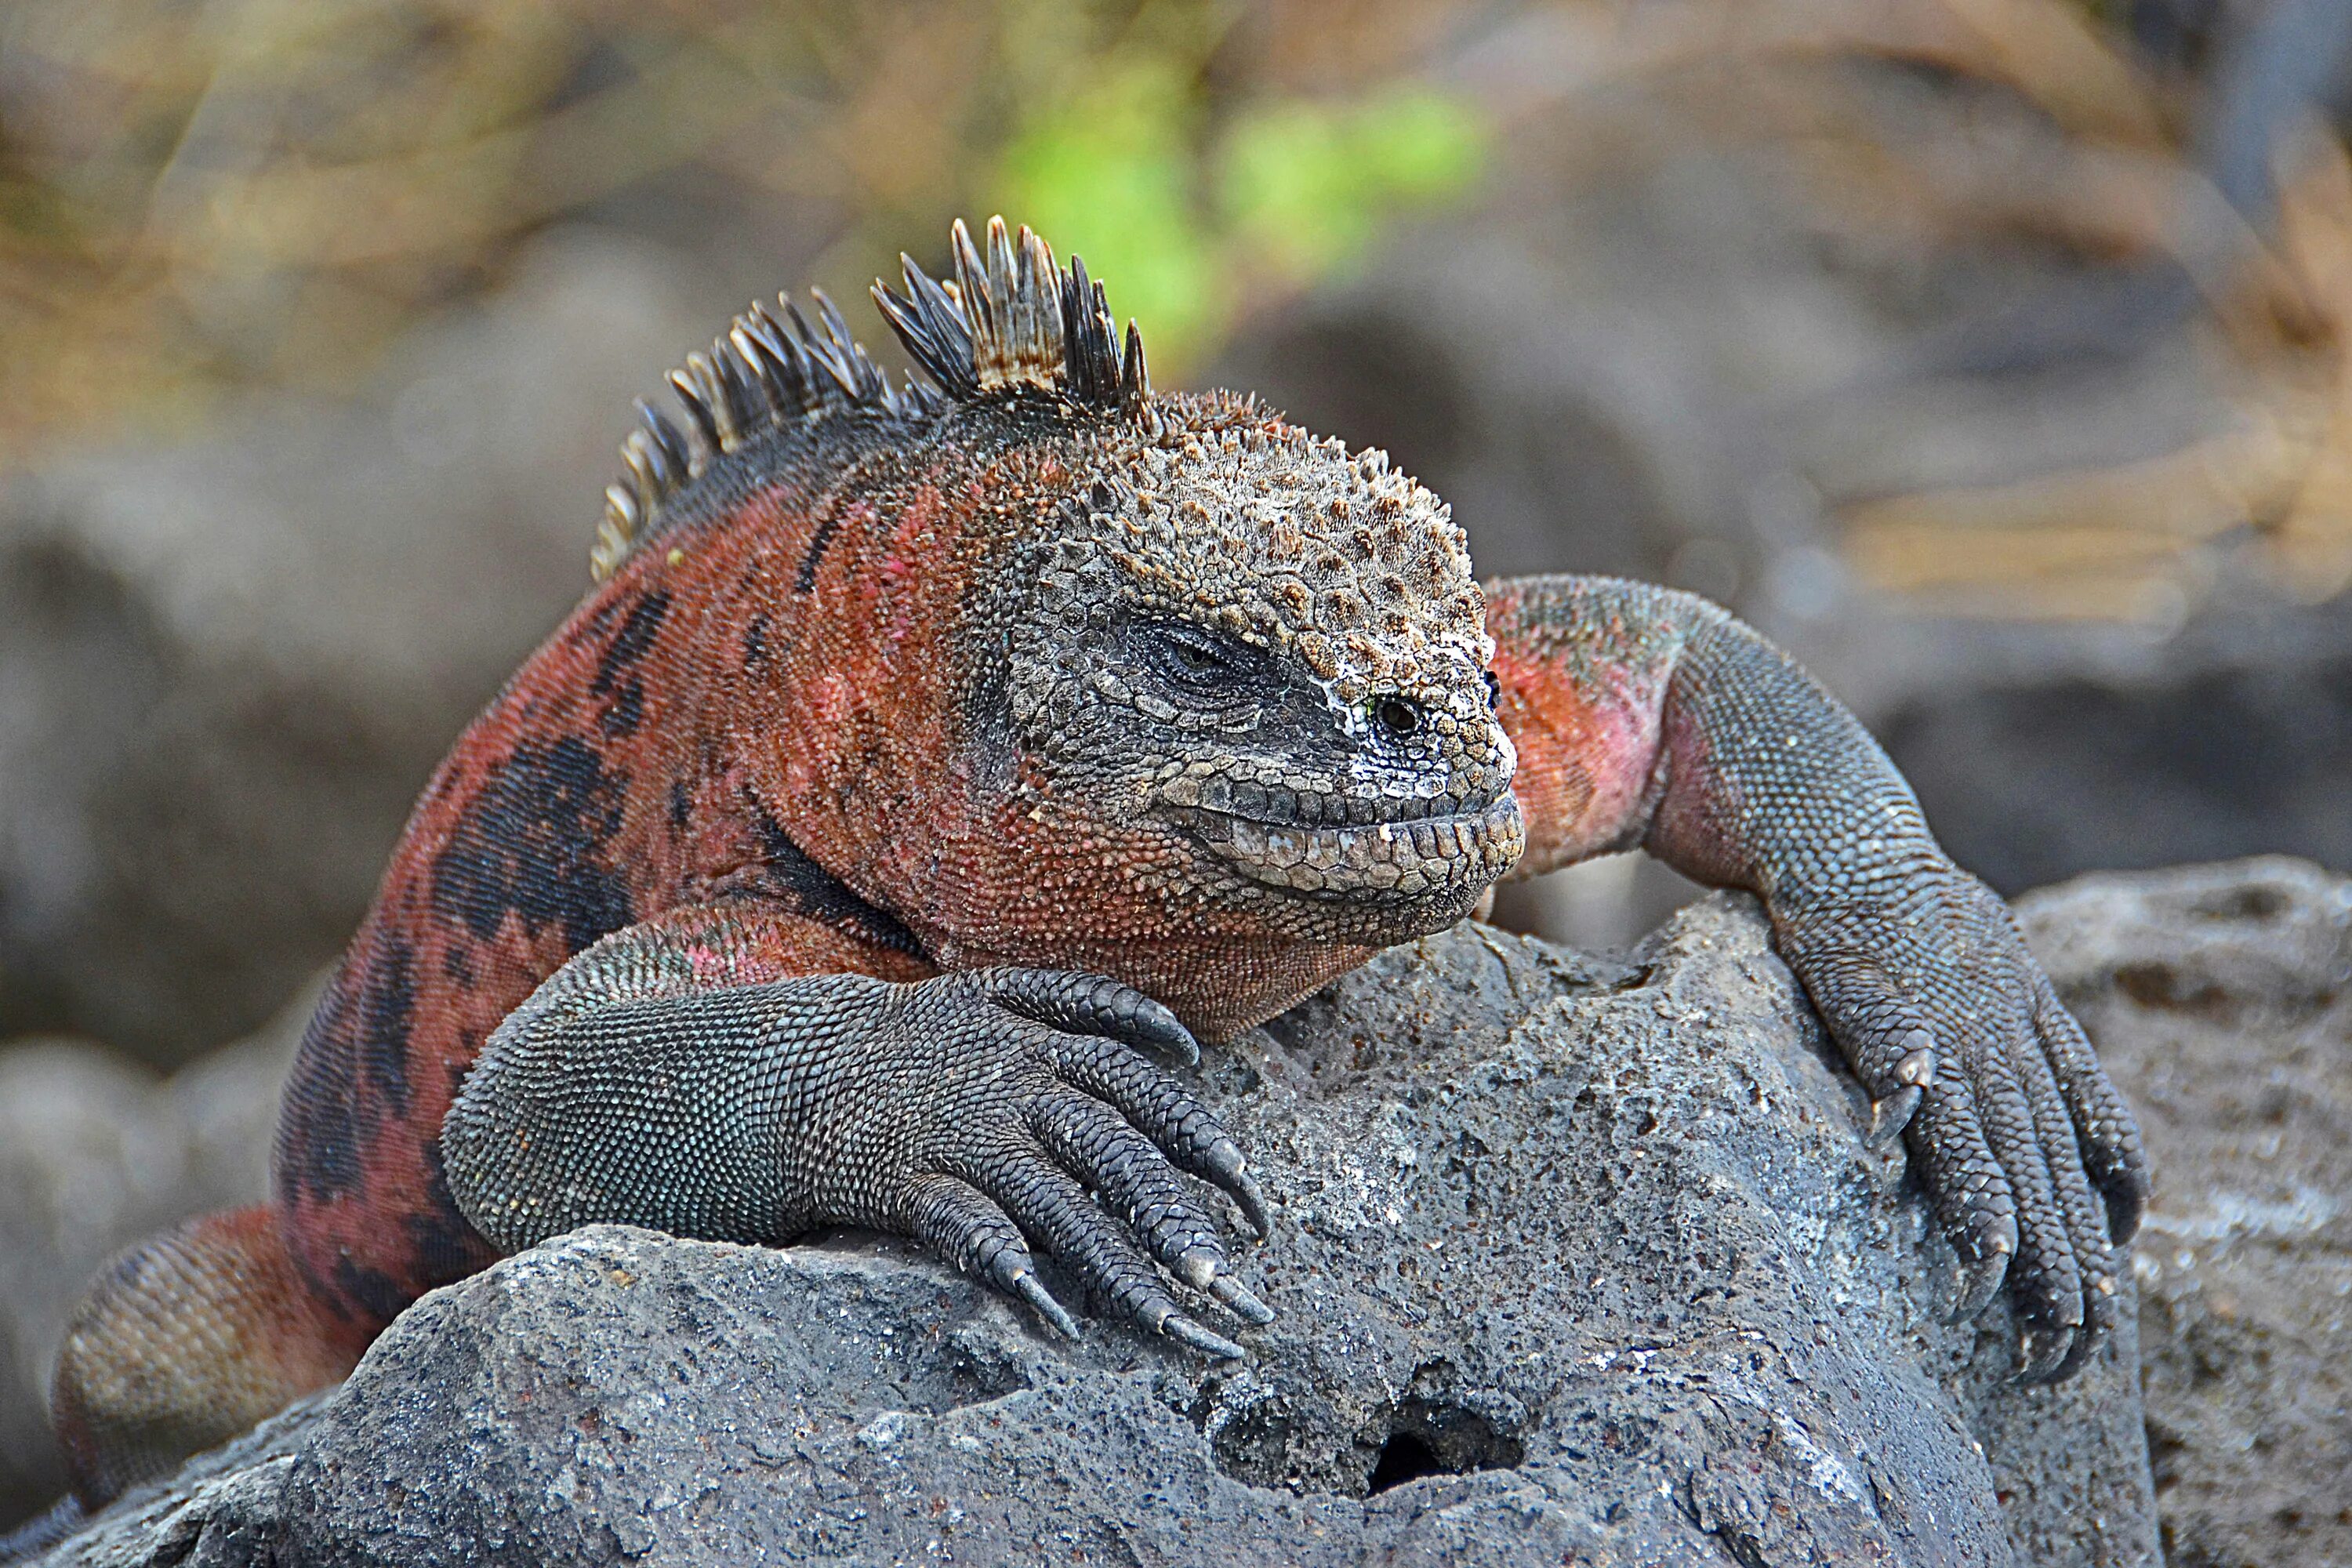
x: 1442, y: 862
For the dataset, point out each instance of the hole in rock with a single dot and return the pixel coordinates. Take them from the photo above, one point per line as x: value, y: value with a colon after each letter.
x: 1282, y: 1441
x: 1405, y: 1457
x: 1427, y: 1439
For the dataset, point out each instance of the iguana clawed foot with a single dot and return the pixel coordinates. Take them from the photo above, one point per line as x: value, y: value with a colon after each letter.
x: 2032, y: 1162
x: 1055, y: 1110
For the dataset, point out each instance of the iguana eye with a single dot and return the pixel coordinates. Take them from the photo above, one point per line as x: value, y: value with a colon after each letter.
x: 1397, y: 716
x: 1195, y: 657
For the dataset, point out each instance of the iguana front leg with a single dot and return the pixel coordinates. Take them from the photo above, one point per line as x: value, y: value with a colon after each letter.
x: 726, y: 1072
x: 1652, y: 718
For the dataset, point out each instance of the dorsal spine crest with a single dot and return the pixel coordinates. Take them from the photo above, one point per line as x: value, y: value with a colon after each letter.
x: 764, y: 373
x: 1013, y: 319
x: 1010, y: 319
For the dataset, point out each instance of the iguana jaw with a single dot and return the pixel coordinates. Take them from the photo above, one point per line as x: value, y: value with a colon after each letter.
x: 1428, y: 859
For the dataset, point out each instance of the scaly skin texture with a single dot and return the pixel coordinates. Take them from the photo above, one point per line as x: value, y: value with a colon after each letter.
x: 926, y: 753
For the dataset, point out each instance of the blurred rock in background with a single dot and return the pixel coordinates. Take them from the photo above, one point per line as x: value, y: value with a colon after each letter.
x: 2222, y: 1000
x: 227, y: 663
x: 1990, y: 353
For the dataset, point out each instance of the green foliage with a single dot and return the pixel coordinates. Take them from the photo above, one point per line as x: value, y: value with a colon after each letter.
x: 1109, y: 173
x: 1180, y: 223
x: 1307, y: 184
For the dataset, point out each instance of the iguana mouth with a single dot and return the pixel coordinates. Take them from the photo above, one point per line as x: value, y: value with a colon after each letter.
x: 1411, y: 858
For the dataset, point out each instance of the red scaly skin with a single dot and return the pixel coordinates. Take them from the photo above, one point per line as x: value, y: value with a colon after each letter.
x: 628, y: 768
x: 1048, y: 672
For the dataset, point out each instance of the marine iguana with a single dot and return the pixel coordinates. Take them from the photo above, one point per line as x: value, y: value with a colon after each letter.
x: 926, y: 751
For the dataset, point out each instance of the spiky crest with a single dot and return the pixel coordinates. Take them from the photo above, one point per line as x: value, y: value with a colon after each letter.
x: 1012, y: 321
x: 765, y: 372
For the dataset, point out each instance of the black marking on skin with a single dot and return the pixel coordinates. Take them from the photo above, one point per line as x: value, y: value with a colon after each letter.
x: 825, y: 530
x: 681, y: 804
x: 626, y: 710
x: 442, y: 1242
x: 457, y: 964
x: 631, y: 642
x: 598, y: 622
x: 810, y: 890
x: 372, y: 1291
x: 529, y: 842
x: 318, y: 1156
x: 755, y: 642
x: 318, y: 1153
x: 388, y: 1008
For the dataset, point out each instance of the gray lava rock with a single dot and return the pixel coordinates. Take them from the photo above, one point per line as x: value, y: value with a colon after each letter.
x: 1572, y: 1264
x: 2221, y: 997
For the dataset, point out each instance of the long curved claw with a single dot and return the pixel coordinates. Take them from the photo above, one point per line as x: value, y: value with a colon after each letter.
x: 2077, y: 1356
x: 2046, y: 1355
x: 1225, y: 1165
x: 1244, y: 1305
x: 1980, y: 1280
x: 1914, y: 1072
x: 1052, y: 1205
x: 963, y: 1226
x: 1204, y: 1269
x: 1890, y: 1116
x: 1124, y: 1168
x: 1178, y: 1327
x: 2100, y: 1322
x: 2126, y: 1203
x: 1030, y: 1288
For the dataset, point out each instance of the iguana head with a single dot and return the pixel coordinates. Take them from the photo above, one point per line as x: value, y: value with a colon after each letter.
x: 1268, y: 654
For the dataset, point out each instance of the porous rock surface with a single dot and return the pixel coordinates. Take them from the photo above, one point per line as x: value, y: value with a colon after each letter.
x: 1572, y: 1262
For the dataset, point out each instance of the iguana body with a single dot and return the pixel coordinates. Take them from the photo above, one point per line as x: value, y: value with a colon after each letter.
x: 920, y: 744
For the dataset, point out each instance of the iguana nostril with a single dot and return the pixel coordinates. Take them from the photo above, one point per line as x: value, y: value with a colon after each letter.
x: 1397, y: 716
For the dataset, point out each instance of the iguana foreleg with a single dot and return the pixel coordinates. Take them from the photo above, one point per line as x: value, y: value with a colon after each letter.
x: 1652, y: 718
x: 725, y: 1072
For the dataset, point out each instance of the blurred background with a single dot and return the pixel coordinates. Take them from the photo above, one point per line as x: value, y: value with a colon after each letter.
x: 1989, y: 353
